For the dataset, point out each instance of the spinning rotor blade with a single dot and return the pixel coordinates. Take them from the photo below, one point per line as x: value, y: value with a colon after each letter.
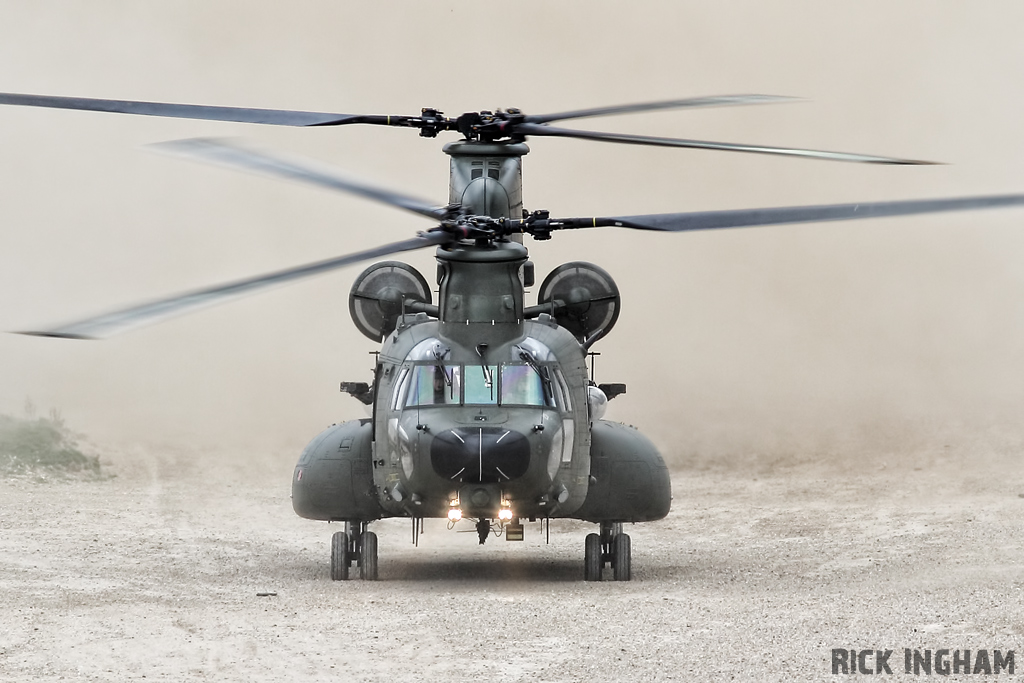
x: 692, y: 102
x: 277, y: 117
x: 537, y: 129
x: 743, y: 218
x: 471, y: 125
x: 102, y: 326
x: 231, y: 155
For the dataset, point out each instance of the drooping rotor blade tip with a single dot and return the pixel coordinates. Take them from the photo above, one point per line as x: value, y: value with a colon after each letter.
x: 276, y: 117
x: 53, y: 334
x: 125, y: 319
x: 234, y: 155
x: 746, y: 218
x: 687, y: 103
x: 626, y: 138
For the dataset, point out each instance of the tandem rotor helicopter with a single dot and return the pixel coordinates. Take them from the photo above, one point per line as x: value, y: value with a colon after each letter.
x: 482, y: 406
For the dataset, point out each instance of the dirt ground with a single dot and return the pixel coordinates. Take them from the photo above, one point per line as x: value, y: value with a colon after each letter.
x: 757, y: 574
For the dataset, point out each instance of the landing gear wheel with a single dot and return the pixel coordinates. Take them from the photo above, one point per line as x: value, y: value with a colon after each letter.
x: 368, y: 557
x: 592, y: 560
x: 621, y: 558
x: 339, y: 556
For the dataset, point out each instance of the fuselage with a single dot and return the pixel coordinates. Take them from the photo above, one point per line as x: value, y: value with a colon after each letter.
x: 482, y: 406
x: 479, y: 413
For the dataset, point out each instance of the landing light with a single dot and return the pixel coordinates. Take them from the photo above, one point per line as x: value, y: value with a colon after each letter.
x: 505, y: 514
x: 454, y: 514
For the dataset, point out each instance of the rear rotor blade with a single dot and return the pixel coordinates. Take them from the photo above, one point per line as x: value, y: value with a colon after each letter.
x: 692, y: 102
x: 233, y: 155
x: 102, y: 326
x: 536, y: 129
x: 742, y: 218
x: 277, y: 117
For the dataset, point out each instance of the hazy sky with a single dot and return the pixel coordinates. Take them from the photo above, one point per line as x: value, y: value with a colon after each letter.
x: 832, y: 338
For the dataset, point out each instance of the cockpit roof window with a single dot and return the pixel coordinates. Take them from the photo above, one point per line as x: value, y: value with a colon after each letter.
x: 433, y: 349
x: 537, y: 349
x: 430, y: 349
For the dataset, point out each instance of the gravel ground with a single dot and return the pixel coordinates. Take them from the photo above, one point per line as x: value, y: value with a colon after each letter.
x: 756, y: 575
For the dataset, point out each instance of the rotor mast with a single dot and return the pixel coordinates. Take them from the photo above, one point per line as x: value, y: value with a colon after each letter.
x: 487, y: 177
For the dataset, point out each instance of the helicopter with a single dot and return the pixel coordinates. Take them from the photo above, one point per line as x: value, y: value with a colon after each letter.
x: 482, y: 407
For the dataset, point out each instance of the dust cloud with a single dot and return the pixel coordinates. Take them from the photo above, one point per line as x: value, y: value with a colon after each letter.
x: 780, y: 344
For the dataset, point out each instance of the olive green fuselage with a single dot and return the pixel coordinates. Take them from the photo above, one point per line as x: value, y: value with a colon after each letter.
x: 478, y: 402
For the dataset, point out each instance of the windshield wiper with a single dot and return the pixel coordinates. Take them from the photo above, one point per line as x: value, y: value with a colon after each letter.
x: 439, y: 357
x: 488, y: 377
x: 543, y: 373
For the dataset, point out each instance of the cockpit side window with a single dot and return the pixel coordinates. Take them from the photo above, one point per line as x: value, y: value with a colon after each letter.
x: 401, y: 389
x: 564, y: 398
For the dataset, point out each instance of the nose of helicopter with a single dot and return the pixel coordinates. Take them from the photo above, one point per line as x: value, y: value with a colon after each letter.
x: 480, y: 454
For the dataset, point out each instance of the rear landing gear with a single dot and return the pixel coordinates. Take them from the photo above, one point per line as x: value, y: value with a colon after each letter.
x: 354, y: 545
x: 612, y: 547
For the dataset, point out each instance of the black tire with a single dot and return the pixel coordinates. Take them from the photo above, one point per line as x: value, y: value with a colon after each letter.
x: 368, y: 557
x: 339, y: 556
x: 622, y: 563
x: 592, y: 558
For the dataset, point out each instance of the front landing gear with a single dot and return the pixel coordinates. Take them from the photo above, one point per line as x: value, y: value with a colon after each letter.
x: 340, y: 552
x: 611, y: 546
x: 354, y: 544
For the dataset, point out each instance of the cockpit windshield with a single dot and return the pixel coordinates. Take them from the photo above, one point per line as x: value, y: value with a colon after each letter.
x: 522, y: 385
x: 530, y: 378
x: 516, y: 384
x: 432, y: 385
x: 481, y: 384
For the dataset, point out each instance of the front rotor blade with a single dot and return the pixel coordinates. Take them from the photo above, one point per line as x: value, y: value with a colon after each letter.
x: 536, y: 129
x: 232, y: 155
x: 692, y: 102
x: 743, y: 218
x: 277, y: 117
x: 106, y: 325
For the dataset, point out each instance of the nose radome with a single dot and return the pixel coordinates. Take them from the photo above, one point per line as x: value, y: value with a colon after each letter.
x: 480, y: 454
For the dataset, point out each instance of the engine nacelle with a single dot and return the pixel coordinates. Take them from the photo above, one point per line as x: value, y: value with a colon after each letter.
x: 629, y: 480
x: 333, y: 479
x: 379, y: 296
x: 584, y: 299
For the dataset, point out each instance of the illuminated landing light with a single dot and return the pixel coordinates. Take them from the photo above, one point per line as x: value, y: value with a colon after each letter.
x: 454, y: 514
x: 505, y: 513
